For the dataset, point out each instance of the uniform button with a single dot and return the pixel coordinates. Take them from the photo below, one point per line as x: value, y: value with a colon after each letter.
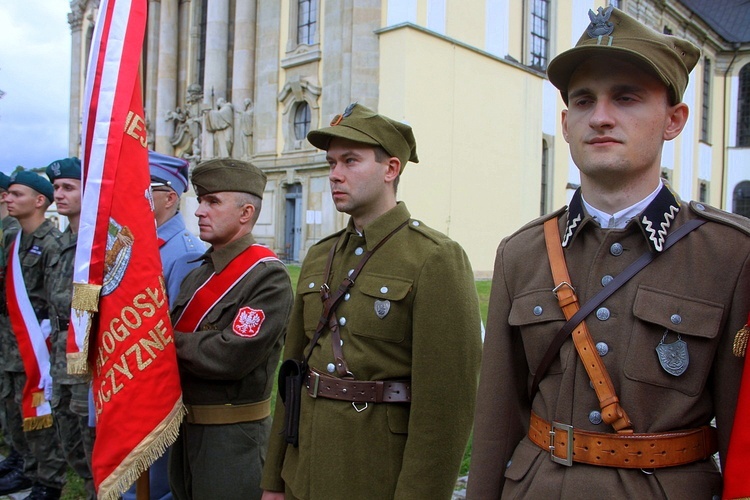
x: 508, y: 464
x: 415, y: 223
x: 602, y: 348
x: 331, y: 368
x: 595, y: 417
x: 538, y: 310
x: 311, y: 285
x: 342, y: 321
x: 359, y: 251
x: 606, y: 280
x: 341, y: 342
x: 616, y: 249
x: 383, y: 289
x: 602, y: 313
x: 700, y: 206
x: 351, y: 271
x: 676, y: 319
x: 347, y: 296
x: 591, y: 384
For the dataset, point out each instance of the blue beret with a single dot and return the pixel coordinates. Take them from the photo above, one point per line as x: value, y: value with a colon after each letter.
x: 4, y: 180
x: 67, y: 168
x: 168, y: 170
x: 35, y: 182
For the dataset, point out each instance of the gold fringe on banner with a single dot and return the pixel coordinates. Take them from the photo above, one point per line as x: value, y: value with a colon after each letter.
x: 140, y: 459
x: 740, y: 341
x: 85, y: 301
x: 37, y: 423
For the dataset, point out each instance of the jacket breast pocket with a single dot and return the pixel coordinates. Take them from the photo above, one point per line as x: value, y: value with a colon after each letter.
x: 538, y: 317
x: 382, y: 306
x: 308, y: 288
x: 695, y: 321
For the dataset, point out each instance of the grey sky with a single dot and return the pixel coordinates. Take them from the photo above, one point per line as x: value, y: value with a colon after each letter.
x: 35, y: 76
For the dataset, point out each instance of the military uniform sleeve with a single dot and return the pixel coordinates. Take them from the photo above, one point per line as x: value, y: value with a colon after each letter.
x: 217, y: 352
x: 446, y: 351
x: 180, y: 268
x: 502, y: 401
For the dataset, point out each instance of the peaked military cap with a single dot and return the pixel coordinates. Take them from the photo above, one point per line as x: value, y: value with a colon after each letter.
x: 616, y: 34
x: 67, y: 168
x: 228, y: 174
x: 360, y: 124
x: 4, y: 180
x: 169, y: 171
x: 35, y: 182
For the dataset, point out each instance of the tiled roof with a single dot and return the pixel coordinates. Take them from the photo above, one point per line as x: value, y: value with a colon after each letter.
x: 729, y: 18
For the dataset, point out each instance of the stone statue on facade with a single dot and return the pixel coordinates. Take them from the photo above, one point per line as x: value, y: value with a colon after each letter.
x: 194, y: 122
x: 181, y: 140
x: 246, y: 127
x: 220, y: 123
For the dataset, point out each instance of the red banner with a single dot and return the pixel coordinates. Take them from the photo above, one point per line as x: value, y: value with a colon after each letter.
x: 736, y: 477
x: 120, y: 328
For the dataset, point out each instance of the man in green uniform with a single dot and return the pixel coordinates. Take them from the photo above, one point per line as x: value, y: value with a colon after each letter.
x: 70, y: 392
x: 664, y: 337
x: 387, y: 406
x: 229, y: 320
x: 38, y: 251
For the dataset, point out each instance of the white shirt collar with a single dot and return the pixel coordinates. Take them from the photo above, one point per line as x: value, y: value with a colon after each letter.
x: 620, y: 219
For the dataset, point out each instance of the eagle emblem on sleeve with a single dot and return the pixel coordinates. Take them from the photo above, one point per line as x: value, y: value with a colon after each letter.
x: 248, y: 321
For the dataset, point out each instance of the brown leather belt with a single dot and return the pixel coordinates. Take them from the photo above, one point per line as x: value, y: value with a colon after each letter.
x: 228, y: 414
x: 631, y: 451
x: 320, y: 385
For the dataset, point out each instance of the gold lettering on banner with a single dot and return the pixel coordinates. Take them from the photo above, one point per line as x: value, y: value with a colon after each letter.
x: 141, y: 354
x: 135, y: 127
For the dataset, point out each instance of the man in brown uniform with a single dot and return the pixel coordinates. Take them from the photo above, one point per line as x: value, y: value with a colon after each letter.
x: 229, y: 319
x: 390, y: 395
x: 664, y: 337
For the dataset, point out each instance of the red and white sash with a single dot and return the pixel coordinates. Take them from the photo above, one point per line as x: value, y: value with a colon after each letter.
x: 32, y: 344
x: 219, y: 284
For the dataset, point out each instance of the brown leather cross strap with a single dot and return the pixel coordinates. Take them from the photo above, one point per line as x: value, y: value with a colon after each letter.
x: 320, y: 385
x: 612, y: 412
x: 631, y: 451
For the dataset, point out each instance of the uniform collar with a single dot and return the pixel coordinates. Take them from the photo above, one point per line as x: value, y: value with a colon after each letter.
x: 171, y: 227
x: 655, y: 220
x: 222, y: 257
x: 378, y: 229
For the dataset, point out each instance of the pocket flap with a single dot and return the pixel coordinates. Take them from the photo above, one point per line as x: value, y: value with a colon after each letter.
x: 523, y: 457
x: 536, y: 306
x: 310, y: 283
x: 678, y: 313
x: 383, y: 287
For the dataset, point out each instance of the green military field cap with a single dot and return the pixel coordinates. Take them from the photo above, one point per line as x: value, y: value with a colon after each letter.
x: 228, y: 174
x: 4, y: 180
x: 67, y: 168
x: 35, y: 182
x: 361, y: 124
x: 616, y: 34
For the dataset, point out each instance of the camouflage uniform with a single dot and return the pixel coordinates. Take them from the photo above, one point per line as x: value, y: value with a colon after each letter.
x: 69, y: 392
x: 38, y: 253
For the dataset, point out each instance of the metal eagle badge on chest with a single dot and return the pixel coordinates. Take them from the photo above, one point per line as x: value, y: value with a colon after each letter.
x: 382, y: 307
x: 674, y: 357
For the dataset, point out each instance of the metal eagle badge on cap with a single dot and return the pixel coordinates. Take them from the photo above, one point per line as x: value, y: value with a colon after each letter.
x: 674, y: 357
x: 382, y: 307
x: 348, y: 111
x: 600, y: 25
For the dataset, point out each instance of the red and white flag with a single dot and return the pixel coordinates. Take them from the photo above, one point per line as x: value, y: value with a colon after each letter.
x: 119, y: 327
x: 736, y: 476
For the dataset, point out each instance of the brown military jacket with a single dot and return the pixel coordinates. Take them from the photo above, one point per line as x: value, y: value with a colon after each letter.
x: 699, y: 289
x: 430, y: 335
x: 218, y: 366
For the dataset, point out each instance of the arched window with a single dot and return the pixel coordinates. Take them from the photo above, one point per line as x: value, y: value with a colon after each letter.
x: 741, y: 199
x: 301, y: 121
x: 743, y: 109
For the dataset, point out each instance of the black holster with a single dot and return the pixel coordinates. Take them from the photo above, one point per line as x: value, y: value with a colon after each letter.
x: 291, y: 380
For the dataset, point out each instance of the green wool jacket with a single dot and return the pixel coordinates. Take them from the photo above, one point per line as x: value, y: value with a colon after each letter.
x: 430, y: 336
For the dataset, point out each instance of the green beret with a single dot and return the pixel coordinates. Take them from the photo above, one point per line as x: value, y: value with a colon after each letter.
x: 360, y: 124
x: 614, y: 33
x: 35, y: 182
x: 228, y: 174
x: 4, y: 180
x: 67, y: 168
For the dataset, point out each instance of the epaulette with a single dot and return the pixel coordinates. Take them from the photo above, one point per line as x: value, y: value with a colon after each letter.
x: 332, y: 235
x: 714, y: 214
x: 426, y: 231
x: 539, y: 221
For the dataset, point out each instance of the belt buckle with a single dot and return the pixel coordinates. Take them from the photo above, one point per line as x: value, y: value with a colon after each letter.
x: 557, y: 426
x: 315, y: 383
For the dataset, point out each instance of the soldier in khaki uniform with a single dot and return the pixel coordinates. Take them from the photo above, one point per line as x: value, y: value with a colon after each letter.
x: 229, y: 319
x: 387, y: 407
x: 664, y: 337
x: 70, y: 392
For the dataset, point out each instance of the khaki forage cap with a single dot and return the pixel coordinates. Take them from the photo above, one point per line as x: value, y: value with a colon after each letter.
x: 616, y: 34
x: 228, y: 174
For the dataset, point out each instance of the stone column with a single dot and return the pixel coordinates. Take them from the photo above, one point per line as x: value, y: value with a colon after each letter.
x: 166, y: 75
x: 217, y: 45
x: 182, y: 60
x: 152, y: 61
x: 243, y: 72
x: 77, y: 59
